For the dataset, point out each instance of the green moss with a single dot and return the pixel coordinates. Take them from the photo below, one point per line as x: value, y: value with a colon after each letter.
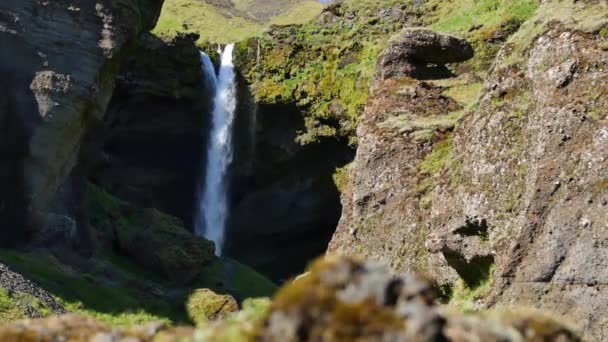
x: 341, y: 176
x: 437, y: 160
x: 155, y: 240
x: 81, y: 293
x: 463, y: 296
x: 204, y: 305
x: 238, y: 326
x: 229, y: 276
x: 478, y: 20
x: 570, y: 13
x: 324, y: 68
x: 9, y: 310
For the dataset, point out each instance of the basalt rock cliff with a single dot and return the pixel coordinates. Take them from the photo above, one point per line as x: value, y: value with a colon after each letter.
x: 507, y: 199
x: 58, y: 63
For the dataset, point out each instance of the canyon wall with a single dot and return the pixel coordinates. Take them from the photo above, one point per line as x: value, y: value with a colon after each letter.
x: 505, y: 201
x: 59, y: 61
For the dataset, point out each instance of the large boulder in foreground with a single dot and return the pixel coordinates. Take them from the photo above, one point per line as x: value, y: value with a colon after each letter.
x: 205, y: 305
x: 346, y: 299
x: 339, y: 299
x: 58, y: 63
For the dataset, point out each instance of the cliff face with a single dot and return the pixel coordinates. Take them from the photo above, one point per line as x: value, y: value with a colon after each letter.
x: 150, y: 148
x: 310, y: 82
x: 508, y: 203
x: 58, y: 63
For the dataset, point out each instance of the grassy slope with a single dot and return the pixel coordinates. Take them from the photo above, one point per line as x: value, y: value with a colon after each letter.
x: 248, y: 18
x: 115, y: 289
x: 325, y: 68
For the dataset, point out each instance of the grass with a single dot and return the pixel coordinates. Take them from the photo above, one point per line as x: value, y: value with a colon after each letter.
x: 299, y: 14
x: 205, y: 19
x: 438, y: 159
x: 228, y: 276
x: 324, y: 68
x: 82, y: 293
x: 572, y: 15
x: 477, y: 21
x: 462, y: 297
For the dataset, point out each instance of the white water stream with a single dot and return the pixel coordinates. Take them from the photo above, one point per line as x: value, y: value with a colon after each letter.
x: 213, y: 198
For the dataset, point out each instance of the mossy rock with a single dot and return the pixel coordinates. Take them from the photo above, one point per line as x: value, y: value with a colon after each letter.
x: 155, y: 240
x: 205, y: 305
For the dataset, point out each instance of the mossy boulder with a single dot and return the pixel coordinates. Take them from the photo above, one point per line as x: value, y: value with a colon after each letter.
x: 155, y: 240
x: 205, y: 305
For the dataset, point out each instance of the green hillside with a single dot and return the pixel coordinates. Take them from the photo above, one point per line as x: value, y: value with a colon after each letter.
x: 224, y: 21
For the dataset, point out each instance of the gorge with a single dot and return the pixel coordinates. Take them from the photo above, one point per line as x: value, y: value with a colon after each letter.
x: 462, y: 144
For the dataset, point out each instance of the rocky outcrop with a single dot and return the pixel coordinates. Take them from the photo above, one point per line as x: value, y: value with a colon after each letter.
x: 512, y: 204
x: 411, y: 52
x: 28, y: 297
x: 155, y: 240
x: 310, y: 91
x: 343, y: 299
x: 150, y: 148
x: 58, y: 62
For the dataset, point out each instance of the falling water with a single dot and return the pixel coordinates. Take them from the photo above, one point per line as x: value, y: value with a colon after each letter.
x: 208, y: 72
x: 213, y: 204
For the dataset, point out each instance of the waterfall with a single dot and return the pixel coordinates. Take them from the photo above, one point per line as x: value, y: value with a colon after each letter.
x: 213, y: 203
x: 208, y: 72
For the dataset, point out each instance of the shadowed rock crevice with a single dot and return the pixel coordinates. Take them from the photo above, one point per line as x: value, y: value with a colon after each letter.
x: 474, y: 227
x: 475, y: 271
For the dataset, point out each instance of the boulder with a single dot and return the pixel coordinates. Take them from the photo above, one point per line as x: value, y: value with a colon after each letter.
x: 410, y: 52
x: 205, y: 305
x: 155, y: 240
x: 348, y: 299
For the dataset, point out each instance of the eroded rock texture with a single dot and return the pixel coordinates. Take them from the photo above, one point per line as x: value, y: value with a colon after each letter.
x: 58, y: 61
x: 516, y: 196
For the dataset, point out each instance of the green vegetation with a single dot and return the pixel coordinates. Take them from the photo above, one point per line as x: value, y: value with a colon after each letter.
x: 324, y: 66
x: 155, y: 240
x: 463, y: 296
x: 341, y: 177
x: 9, y: 310
x: 84, y: 293
x: 486, y: 24
x: 238, y: 326
x: 204, y: 305
x: 230, y: 22
x: 438, y: 159
x: 228, y: 276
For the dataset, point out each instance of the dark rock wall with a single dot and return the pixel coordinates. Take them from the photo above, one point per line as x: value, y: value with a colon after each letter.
x: 58, y: 63
x: 285, y: 202
x: 150, y: 148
